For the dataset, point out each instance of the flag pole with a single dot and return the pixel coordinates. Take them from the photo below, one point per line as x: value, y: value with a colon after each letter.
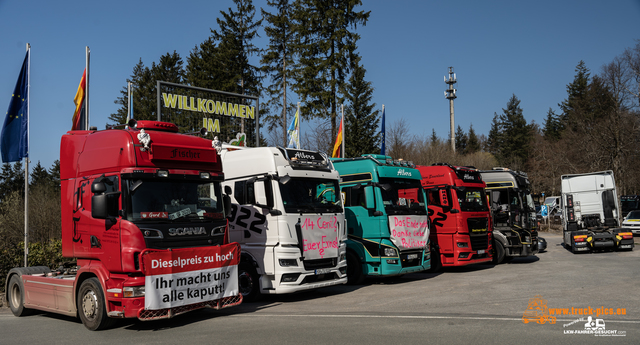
x: 128, y: 102
x: 86, y: 96
x: 344, y: 131
x: 382, y: 147
x: 299, y: 120
x: 26, y: 165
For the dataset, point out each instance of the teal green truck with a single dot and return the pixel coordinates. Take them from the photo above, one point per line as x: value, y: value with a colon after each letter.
x: 387, y: 217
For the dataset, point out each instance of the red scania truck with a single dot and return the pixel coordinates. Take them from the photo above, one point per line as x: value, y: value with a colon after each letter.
x: 459, y: 215
x: 144, y: 217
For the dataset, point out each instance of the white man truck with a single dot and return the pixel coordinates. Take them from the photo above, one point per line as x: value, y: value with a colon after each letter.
x: 591, y: 214
x: 287, y: 215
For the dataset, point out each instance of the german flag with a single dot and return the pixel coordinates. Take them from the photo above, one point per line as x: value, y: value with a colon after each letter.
x: 79, y: 115
x: 337, y: 152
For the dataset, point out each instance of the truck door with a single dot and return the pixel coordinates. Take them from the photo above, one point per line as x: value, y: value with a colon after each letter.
x: 98, y: 238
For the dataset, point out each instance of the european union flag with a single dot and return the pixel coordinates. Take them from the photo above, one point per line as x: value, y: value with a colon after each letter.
x: 15, y: 142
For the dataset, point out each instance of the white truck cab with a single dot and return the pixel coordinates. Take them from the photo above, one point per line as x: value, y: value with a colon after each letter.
x: 288, y: 216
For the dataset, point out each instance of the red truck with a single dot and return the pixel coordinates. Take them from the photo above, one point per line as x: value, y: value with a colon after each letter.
x: 459, y: 215
x: 144, y: 216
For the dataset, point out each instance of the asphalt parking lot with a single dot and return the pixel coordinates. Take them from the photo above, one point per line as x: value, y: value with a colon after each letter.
x: 478, y: 304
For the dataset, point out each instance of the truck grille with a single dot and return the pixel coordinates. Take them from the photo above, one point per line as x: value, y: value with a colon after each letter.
x: 311, y: 265
x: 478, y: 232
x: 406, y: 262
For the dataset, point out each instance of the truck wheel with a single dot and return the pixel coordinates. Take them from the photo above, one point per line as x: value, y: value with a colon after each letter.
x: 15, y: 297
x: 436, y: 263
x: 248, y: 282
x: 498, y: 254
x: 91, y: 306
x: 354, y: 270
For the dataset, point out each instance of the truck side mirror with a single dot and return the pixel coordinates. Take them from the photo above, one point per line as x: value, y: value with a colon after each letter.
x: 99, y: 205
x: 369, y: 202
x: 226, y: 203
x: 260, y: 194
x: 98, y: 187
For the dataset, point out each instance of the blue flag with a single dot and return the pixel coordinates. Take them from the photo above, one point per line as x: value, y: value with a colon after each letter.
x: 14, y: 135
x: 382, y: 146
x: 294, y: 132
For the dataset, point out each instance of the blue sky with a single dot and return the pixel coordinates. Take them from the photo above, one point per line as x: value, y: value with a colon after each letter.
x: 497, y: 48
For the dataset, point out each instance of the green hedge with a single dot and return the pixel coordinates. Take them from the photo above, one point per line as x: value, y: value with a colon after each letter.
x: 40, y: 254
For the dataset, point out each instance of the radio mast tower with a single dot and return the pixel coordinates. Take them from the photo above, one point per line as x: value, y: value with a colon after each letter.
x: 450, y: 94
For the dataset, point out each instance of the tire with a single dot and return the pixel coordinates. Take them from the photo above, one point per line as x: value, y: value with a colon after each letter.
x: 248, y: 282
x: 354, y: 270
x: 91, y: 306
x: 15, y: 297
x: 436, y: 262
x: 498, y: 254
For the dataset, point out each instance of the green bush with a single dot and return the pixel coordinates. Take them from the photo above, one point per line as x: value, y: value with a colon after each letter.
x: 40, y: 254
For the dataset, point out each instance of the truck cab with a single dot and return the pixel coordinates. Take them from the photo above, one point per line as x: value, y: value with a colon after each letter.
x: 459, y: 215
x: 591, y: 214
x: 629, y: 203
x: 386, y: 212
x: 513, y: 214
x: 288, y: 216
x: 128, y: 195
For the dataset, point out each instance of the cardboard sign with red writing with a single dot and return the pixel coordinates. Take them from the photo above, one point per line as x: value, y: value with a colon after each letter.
x: 409, y: 232
x: 190, y: 275
x: 320, y: 237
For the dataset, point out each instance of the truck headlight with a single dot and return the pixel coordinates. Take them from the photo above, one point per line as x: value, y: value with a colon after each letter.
x: 288, y: 262
x: 390, y: 251
x: 133, y: 291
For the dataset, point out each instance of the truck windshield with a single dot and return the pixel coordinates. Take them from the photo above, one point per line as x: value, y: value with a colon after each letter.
x: 472, y: 200
x: 311, y: 195
x: 629, y: 204
x: 402, y: 196
x: 168, y: 200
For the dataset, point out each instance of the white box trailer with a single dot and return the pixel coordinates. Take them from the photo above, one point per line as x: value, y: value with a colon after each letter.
x: 288, y: 217
x: 591, y: 214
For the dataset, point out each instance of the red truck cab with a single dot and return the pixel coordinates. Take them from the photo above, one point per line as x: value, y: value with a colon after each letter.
x: 133, y: 200
x: 459, y: 215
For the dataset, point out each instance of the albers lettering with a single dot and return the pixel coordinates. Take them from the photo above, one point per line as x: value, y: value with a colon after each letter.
x: 182, y: 153
x: 187, y: 231
x: 402, y: 172
x: 302, y: 155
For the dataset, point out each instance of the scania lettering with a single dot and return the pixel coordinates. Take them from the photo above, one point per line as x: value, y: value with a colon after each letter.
x: 387, y: 222
x: 460, y: 233
x: 288, y: 217
x: 591, y: 214
x: 137, y: 218
x: 513, y: 214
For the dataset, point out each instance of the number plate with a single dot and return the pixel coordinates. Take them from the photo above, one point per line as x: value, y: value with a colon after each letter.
x: 323, y: 271
x: 412, y: 256
x: 481, y: 251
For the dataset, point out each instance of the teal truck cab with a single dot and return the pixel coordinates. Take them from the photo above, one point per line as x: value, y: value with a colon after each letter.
x: 386, y: 212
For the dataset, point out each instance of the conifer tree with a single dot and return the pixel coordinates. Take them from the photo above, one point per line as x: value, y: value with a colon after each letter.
x: 39, y: 176
x: 552, y: 126
x: 494, y: 140
x: 144, y: 85
x: 278, y: 62
x: 516, y: 134
x: 434, y: 140
x: 361, y: 120
x: 235, y: 34
x: 327, y: 51
x: 461, y: 141
x: 473, y: 144
x: 575, y: 103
